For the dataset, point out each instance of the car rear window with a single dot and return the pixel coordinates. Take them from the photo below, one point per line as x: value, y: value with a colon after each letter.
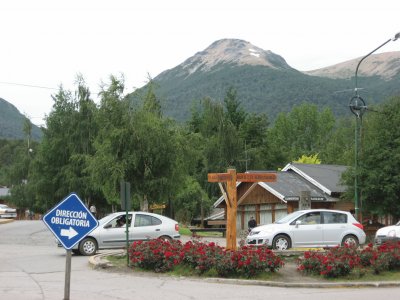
x: 334, y: 218
x: 145, y: 220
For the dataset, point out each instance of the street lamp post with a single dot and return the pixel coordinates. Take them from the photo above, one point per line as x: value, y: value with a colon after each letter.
x: 358, y: 107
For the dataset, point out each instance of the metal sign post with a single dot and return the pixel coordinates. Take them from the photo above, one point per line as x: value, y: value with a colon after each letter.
x: 70, y: 221
x: 67, y: 284
x: 125, y: 194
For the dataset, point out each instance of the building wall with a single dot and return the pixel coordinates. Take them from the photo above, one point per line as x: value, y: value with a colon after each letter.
x: 260, y: 204
x: 344, y: 205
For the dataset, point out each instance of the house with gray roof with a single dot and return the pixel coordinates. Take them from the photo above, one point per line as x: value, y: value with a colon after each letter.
x: 269, y: 201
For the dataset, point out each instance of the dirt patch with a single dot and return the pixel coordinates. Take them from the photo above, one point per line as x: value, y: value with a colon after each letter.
x: 289, y: 273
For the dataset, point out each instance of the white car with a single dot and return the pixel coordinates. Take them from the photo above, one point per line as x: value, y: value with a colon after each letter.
x: 388, y: 233
x: 309, y: 228
x: 111, y: 232
x: 7, y: 212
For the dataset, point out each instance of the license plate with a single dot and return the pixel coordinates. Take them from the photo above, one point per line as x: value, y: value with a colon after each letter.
x: 9, y: 215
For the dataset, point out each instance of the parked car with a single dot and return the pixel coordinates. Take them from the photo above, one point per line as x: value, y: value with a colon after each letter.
x: 388, y: 233
x: 7, y: 212
x: 111, y: 232
x: 309, y: 228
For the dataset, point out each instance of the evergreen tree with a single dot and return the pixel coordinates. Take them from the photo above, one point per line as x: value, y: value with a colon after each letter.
x: 379, y: 160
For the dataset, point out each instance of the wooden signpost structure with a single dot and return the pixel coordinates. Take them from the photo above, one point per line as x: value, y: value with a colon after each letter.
x: 230, y: 196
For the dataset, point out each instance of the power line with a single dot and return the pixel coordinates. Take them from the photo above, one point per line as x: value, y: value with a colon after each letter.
x: 28, y: 85
x: 35, y: 86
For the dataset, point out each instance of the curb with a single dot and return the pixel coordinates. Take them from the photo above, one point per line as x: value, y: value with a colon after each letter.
x: 100, y: 262
x: 357, y: 284
x: 5, y: 221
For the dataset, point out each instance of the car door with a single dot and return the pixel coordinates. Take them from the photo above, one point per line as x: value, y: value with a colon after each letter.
x: 145, y: 227
x: 307, y: 230
x: 335, y: 224
x: 113, y: 233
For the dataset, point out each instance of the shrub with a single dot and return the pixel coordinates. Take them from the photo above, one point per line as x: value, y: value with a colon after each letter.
x: 338, y: 261
x: 157, y: 255
x: 162, y: 256
x: 200, y: 256
x: 341, y: 261
x: 310, y: 262
x: 387, y: 257
x: 247, y: 261
x: 368, y: 256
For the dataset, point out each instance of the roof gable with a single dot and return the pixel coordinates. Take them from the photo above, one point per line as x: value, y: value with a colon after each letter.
x: 290, y: 185
x: 325, y: 177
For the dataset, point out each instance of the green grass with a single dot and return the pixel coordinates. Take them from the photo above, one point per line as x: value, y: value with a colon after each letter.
x: 368, y: 276
x: 186, y: 231
x: 117, y: 260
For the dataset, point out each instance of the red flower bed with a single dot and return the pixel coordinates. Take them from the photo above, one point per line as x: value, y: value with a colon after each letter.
x: 200, y: 256
x: 382, y: 258
x: 341, y: 261
x: 157, y: 255
x: 248, y: 262
x: 162, y: 256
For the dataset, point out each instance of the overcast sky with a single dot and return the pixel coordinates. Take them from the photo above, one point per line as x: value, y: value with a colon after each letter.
x: 47, y: 42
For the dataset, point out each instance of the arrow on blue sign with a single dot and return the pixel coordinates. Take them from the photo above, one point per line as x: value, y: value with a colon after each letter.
x: 70, y: 233
x: 70, y: 221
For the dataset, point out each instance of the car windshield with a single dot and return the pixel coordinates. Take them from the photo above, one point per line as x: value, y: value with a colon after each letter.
x: 107, y: 218
x: 289, y: 217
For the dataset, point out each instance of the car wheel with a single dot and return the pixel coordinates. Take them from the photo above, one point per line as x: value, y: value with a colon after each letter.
x: 165, y: 238
x: 281, y: 242
x: 88, y: 247
x: 350, y: 240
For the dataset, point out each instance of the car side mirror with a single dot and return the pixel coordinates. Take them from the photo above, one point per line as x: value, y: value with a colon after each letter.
x: 108, y: 226
x: 298, y: 222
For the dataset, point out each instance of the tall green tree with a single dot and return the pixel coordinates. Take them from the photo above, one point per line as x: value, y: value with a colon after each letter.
x: 253, y: 133
x: 304, y: 130
x: 235, y: 113
x: 113, y: 143
x: 339, y: 148
x: 135, y: 144
x: 63, y: 156
x: 379, y: 164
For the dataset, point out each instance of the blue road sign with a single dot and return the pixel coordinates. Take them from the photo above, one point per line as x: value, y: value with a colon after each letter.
x: 70, y: 221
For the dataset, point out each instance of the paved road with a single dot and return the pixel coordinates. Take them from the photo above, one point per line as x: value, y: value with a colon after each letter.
x: 31, y: 268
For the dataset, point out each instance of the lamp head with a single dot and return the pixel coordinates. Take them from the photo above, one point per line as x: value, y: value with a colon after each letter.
x: 397, y: 35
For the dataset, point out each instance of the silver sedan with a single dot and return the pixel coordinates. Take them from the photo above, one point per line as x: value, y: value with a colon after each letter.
x: 7, y: 212
x: 309, y: 228
x: 111, y: 232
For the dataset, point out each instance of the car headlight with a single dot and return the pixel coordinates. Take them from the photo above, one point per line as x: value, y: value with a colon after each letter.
x: 262, y: 232
x: 392, y: 233
x: 254, y: 232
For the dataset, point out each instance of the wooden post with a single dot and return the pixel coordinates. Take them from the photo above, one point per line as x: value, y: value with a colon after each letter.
x: 232, y: 211
x: 231, y: 177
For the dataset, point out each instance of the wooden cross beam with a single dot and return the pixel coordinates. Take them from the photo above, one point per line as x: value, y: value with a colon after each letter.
x: 231, y: 177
